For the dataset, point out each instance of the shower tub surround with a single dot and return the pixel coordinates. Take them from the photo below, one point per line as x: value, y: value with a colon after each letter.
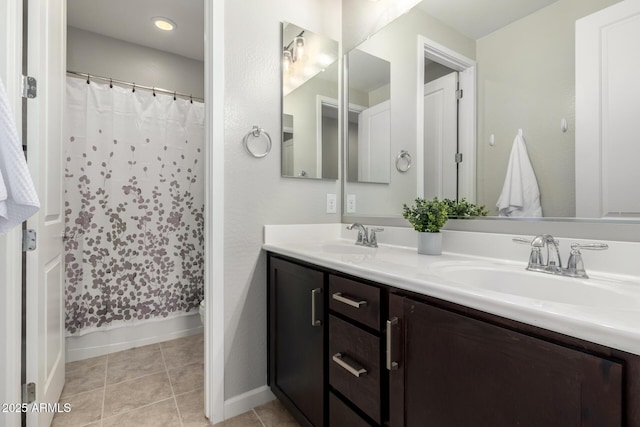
x: 134, y: 202
x: 396, y: 263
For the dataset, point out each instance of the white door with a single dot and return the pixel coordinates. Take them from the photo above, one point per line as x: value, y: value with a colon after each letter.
x: 440, y: 137
x: 45, y: 266
x: 374, y: 143
x: 607, y: 112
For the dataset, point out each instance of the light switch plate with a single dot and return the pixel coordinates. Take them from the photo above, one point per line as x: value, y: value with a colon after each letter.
x: 331, y: 203
x: 351, y: 203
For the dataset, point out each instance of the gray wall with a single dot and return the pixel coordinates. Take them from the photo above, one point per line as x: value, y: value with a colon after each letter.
x: 254, y: 193
x: 526, y: 80
x: 93, y: 53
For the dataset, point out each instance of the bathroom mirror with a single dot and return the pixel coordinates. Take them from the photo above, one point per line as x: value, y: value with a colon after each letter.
x: 309, y: 104
x: 369, y: 136
x: 524, y: 55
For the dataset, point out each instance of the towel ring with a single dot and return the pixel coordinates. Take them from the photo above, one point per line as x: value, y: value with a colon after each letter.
x: 404, y: 154
x: 256, y: 132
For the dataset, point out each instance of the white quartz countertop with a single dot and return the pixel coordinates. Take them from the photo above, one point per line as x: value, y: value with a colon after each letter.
x: 604, y: 309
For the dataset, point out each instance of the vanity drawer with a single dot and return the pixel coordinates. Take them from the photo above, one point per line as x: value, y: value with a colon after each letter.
x: 354, y: 365
x: 355, y: 300
x: 340, y: 415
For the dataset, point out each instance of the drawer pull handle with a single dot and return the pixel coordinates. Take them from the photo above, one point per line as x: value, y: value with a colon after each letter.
x: 355, y: 371
x: 314, y: 320
x: 353, y: 303
x: 391, y: 365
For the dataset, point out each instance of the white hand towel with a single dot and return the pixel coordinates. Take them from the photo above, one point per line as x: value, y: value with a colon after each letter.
x: 520, y: 195
x: 18, y: 201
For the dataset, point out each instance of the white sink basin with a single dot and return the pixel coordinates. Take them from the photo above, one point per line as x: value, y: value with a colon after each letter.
x: 343, y: 248
x: 516, y: 281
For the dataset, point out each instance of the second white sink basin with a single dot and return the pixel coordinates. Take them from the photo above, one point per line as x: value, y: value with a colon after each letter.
x: 515, y: 281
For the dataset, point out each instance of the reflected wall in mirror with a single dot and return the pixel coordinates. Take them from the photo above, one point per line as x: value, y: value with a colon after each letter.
x: 525, y: 56
x: 309, y: 104
x: 369, y: 135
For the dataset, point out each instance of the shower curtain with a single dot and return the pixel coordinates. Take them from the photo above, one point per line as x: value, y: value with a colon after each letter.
x: 134, y: 204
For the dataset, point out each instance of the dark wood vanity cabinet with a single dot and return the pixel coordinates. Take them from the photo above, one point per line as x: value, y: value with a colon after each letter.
x: 454, y: 370
x: 297, y: 339
x: 382, y: 356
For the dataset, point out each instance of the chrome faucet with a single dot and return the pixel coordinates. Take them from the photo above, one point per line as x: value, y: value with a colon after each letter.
x: 364, y: 238
x: 552, y: 263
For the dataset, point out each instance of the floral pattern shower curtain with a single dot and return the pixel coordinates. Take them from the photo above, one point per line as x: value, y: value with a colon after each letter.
x: 134, y: 206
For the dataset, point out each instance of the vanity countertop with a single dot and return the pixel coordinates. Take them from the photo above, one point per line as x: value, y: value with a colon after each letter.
x: 604, y: 309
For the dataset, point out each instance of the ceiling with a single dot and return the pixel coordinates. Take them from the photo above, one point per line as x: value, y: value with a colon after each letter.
x: 130, y: 20
x: 477, y: 18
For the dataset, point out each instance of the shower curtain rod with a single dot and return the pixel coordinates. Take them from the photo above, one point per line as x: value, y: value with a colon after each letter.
x: 134, y: 86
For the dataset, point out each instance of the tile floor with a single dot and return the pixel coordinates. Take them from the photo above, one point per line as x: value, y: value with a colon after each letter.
x: 159, y: 385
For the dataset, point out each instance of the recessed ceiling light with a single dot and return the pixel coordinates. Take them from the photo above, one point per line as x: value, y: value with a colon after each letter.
x: 164, y: 24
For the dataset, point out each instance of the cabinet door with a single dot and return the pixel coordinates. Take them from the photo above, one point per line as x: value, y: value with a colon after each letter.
x: 458, y: 371
x: 296, y: 341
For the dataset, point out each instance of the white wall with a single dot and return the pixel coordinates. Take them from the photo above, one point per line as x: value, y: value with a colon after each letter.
x: 255, y: 194
x: 398, y: 44
x: 526, y: 79
x: 364, y: 17
x: 93, y: 53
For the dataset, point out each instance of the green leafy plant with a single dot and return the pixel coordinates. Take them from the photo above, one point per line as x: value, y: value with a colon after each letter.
x: 426, y: 215
x: 464, y: 209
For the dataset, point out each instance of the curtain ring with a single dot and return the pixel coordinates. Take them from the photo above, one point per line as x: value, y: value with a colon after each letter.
x: 191, y: 98
x: 174, y: 96
x: 134, y: 88
x: 88, y: 78
x: 154, y: 91
x: 111, y: 83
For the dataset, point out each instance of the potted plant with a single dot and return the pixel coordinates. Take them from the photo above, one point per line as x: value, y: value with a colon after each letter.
x: 427, y: 217
x: 463, y: 209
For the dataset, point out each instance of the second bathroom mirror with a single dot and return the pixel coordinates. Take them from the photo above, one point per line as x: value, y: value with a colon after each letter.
x: 309, y: 104
x: 369, y: 136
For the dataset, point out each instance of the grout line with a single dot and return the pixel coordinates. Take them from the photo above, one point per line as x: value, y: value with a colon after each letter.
x: 104, y: 393
x: 173, y: 394
x: 259, y: 419
x: 136, y: 409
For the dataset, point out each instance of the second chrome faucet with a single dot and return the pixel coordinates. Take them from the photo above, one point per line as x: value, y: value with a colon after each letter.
x: 551, y: 263
x: 364, y: 238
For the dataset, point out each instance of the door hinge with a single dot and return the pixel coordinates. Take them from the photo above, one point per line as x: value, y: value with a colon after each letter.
x: 29, y: 393
x: 29, y: 239
x: 458, y: 157
x: 29, y: 87
x: 459, y: 93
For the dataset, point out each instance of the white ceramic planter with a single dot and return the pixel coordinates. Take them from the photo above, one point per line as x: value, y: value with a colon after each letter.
x: 429, y: 243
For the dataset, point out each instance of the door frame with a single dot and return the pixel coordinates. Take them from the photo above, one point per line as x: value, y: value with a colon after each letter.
x: 466, y: 68
x: 11, y: 243
x: 214, y: 330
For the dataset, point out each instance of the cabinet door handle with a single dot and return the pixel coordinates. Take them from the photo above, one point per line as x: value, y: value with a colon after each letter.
x: 391, y: 365
x: 345, y: 300
x: 314, y: 320
x: 356, y: 371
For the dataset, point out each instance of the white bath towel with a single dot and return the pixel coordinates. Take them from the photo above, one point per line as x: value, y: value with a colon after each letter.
x: 520, y: 195
x: 18, y: 199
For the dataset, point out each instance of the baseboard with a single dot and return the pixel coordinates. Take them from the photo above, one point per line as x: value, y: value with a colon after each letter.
x: 104, y: 342
x: 246, y: 401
